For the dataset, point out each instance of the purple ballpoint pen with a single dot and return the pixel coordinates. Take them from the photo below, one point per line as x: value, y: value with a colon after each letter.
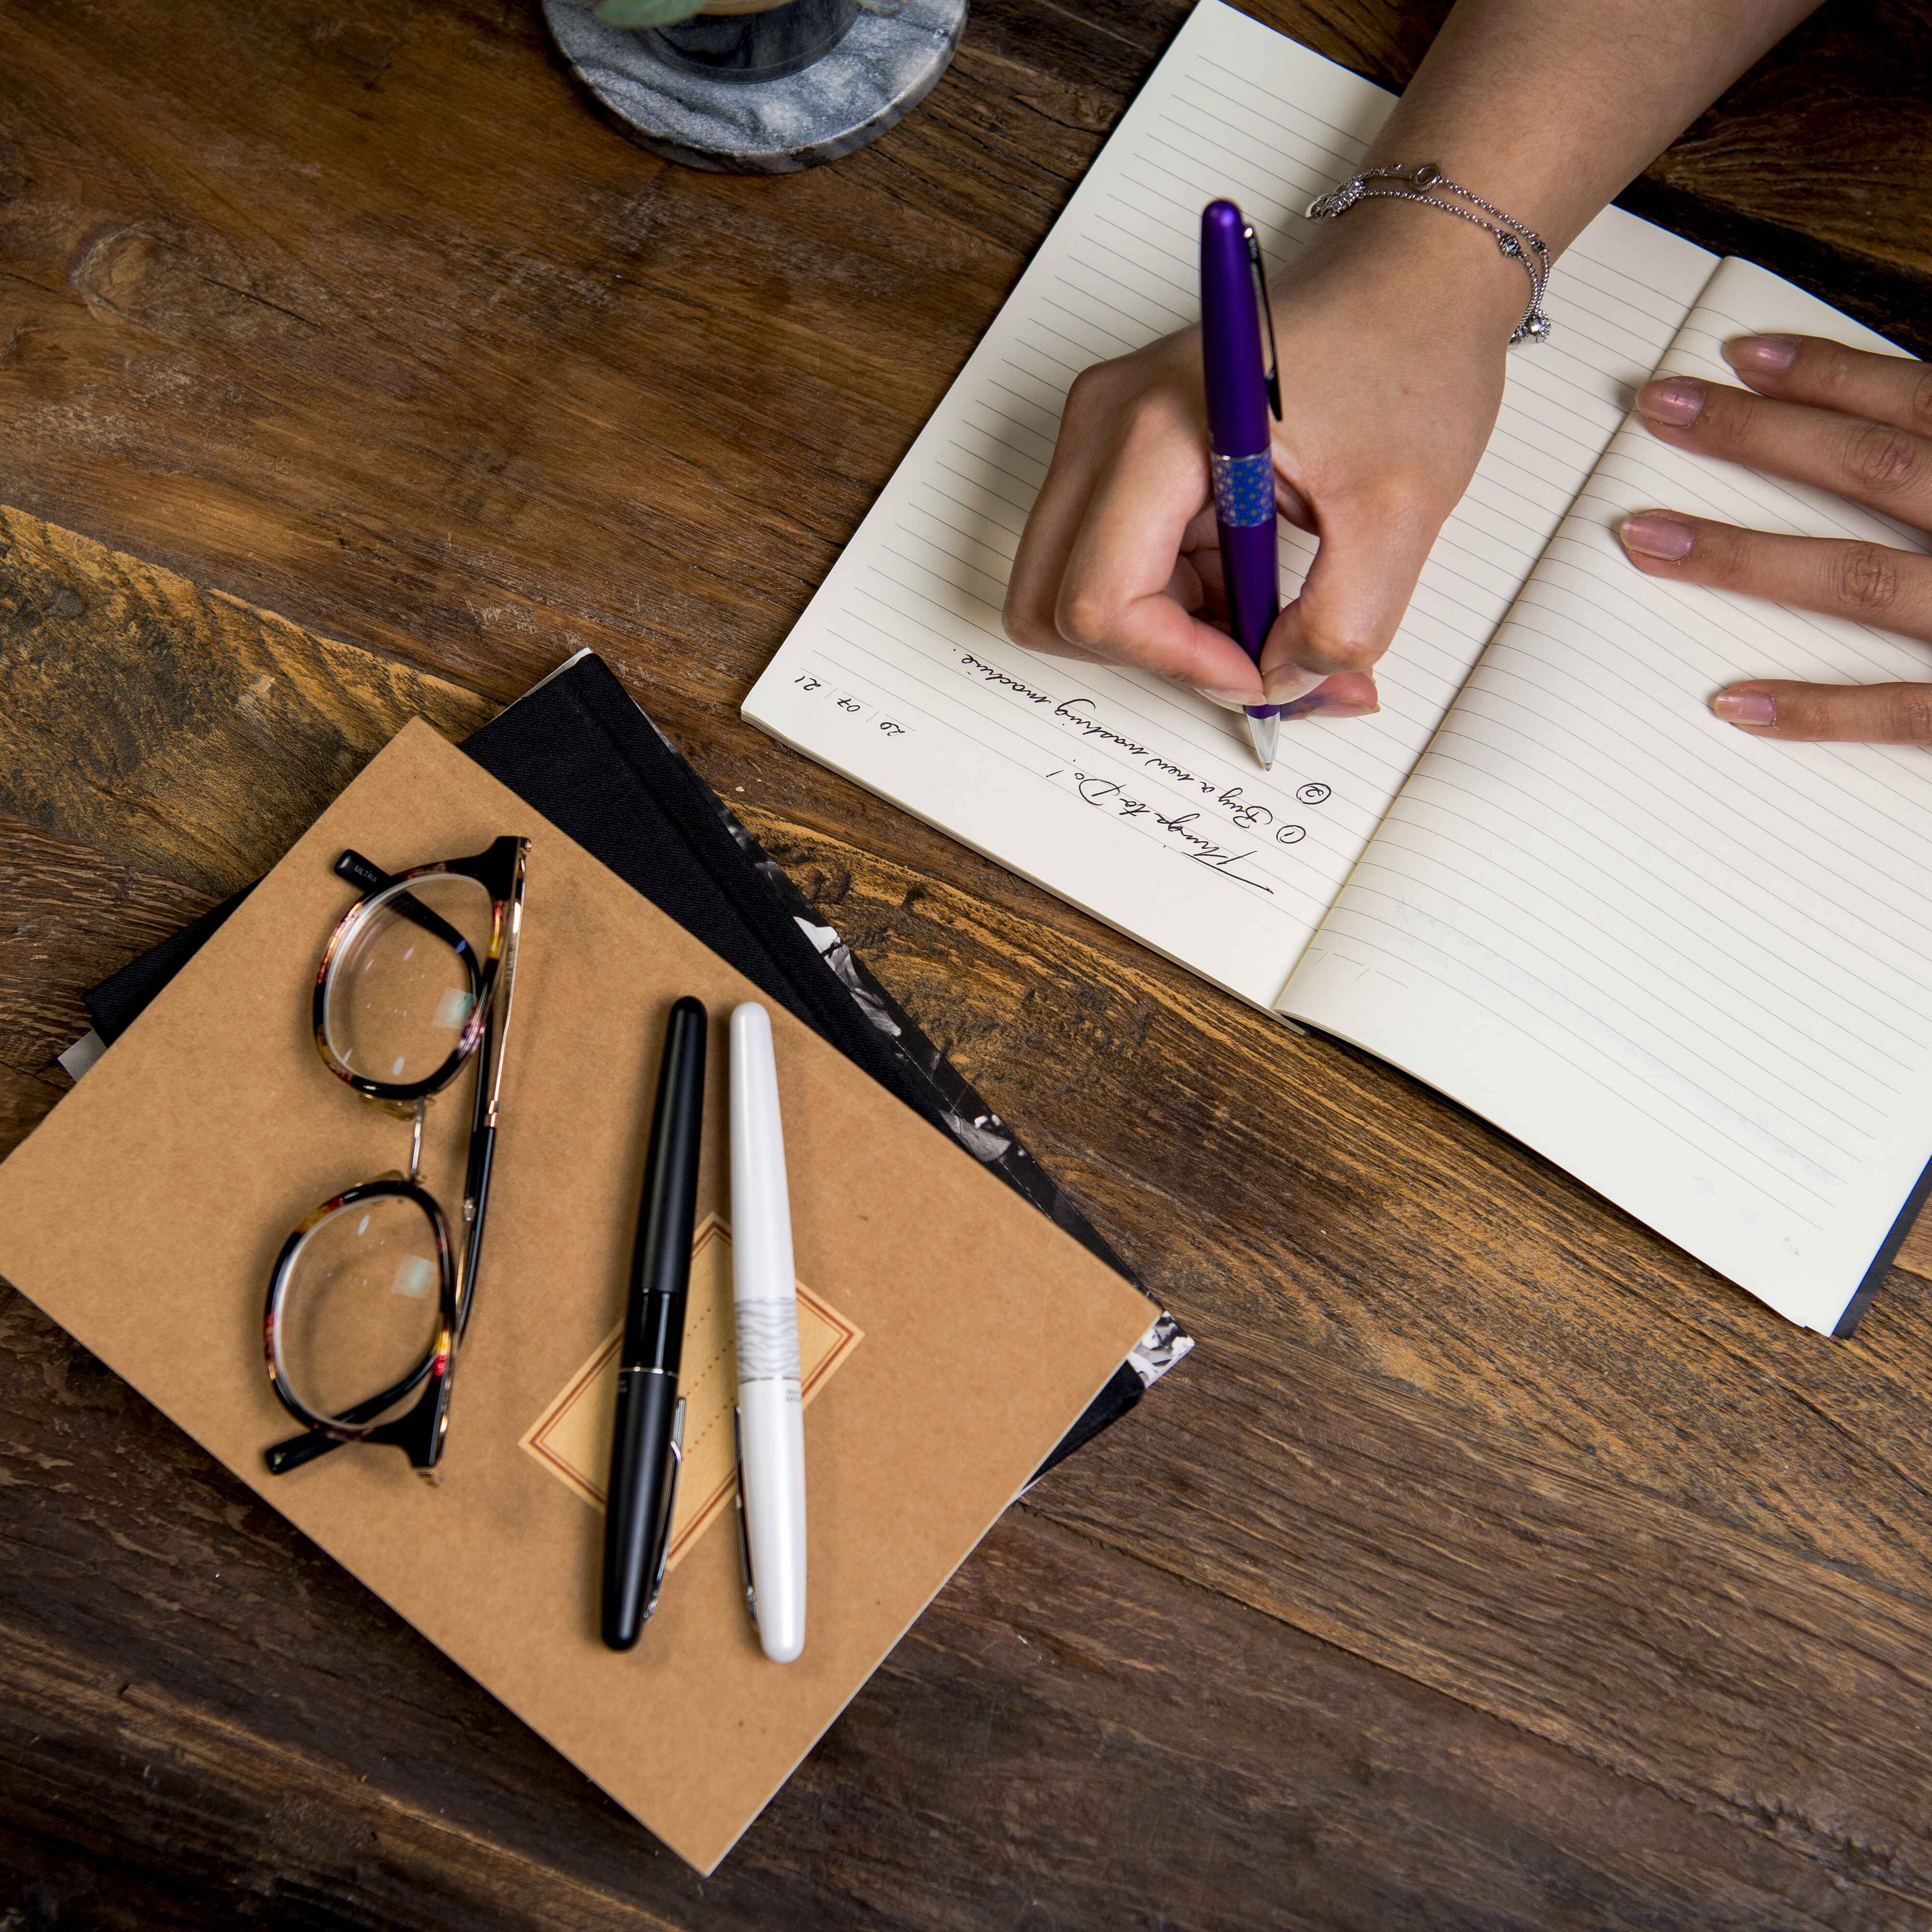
x: 1240, y: 391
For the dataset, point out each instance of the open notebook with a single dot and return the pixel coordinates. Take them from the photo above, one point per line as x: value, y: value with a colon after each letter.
x: 1691, y: 967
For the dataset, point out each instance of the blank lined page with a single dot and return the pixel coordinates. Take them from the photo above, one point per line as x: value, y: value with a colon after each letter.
x: 1693, y: 966
x: 1138, y: 801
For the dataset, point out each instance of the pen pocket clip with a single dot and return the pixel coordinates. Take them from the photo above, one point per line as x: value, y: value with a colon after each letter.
x: 663, y: 1539
x: 744, y: 1527
x: 1272, y: 379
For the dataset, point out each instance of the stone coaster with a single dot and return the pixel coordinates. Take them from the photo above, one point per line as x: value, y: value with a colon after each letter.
x: 874, y: 77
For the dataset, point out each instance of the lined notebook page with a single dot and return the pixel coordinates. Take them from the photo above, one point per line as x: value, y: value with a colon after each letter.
x: 1138, y: 801
x: 1692, y: 967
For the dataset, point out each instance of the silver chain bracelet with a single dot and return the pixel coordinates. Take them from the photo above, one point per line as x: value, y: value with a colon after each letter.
x: 1423, y: 184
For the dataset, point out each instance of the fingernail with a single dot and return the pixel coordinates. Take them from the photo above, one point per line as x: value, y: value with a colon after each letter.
x: 1286, y: 682
x: 1744, y: 707
x: 1674, y: 401
x: 1761, y: 355
x: 1657, y: 533
x: 1229, y: 700
x: 1319, y: 704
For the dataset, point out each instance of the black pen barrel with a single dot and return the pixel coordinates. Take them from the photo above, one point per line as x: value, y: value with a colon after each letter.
x: 637, y: 1519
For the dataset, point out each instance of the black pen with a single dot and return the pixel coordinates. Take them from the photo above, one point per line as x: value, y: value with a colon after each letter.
x: 647, y: 1444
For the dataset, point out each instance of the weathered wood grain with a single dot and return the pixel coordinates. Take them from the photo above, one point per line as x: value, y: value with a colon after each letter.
x: 1745, y: 1678
x: 1915, y: 1252
x: 25, y: 1102
x: 1066, y: 1739
x: 197, y: 736
x: 70, y: 918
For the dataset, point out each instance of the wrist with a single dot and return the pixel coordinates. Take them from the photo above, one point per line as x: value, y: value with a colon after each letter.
x: 1424, y: 266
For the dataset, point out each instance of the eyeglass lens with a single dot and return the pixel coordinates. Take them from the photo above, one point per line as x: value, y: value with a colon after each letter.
x: 406, y: 979
x: 359, y: 1312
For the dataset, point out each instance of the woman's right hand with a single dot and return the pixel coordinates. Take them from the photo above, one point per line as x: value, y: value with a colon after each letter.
x: 1391, y: 336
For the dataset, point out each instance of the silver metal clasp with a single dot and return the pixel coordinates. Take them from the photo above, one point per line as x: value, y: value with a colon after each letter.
x: 1273, y: 378
x: 744, y: 1527
x: 670, y: 1510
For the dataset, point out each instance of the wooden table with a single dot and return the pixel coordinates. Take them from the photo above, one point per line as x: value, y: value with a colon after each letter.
x: 1489, y: 1563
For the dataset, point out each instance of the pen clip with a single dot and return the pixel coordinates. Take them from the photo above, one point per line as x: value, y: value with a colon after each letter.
x: 663, y: 1537
x: 1273, y: 378
x: 744, y: 1527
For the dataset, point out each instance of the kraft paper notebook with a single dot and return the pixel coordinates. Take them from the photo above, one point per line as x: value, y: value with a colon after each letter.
x: 951, y: 1334
x: 1689, y: 966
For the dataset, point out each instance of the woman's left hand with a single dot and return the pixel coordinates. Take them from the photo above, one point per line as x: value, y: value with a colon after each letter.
x: 1845, y: 421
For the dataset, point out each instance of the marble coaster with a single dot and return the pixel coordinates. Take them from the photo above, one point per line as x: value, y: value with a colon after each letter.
x: 874, y: 77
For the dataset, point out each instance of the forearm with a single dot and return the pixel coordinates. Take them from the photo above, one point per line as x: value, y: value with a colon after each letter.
x: 1550, y: 107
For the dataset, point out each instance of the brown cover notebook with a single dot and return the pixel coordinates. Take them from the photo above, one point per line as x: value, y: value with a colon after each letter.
x: 963, y: 1332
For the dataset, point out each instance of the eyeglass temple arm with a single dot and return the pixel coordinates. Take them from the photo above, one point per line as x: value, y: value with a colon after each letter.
x: 476, y: 1178
x: 483, y: 1120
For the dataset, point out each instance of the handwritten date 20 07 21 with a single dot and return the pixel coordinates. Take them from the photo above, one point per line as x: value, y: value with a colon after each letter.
x: 1179, y: 829
x: 855, y: 708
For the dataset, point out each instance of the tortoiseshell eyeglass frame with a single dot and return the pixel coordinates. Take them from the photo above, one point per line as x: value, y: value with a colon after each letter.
x: 421, y: 1430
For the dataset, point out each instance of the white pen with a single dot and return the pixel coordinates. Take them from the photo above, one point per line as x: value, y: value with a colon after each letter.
x: 771, y: 1411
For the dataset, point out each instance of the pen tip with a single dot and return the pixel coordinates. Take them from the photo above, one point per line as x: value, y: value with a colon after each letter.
x: 1262, y: 734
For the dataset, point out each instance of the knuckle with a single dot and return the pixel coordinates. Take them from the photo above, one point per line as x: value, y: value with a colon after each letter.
x: 1913, y: 707
x: 1825, y: 369
x: 1865, y: 578
x: 1881, y: 458
x: 1740, y: 415
x: 1918, y: 400
x: 1083, y: 615
x: 1341, y: 654
x: 1148, y: 431
x: 1021, y: 625
x: 1093, y: 397
x: 1083, y: 392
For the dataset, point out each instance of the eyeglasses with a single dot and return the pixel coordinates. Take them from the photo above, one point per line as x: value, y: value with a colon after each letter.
x: 369, y: 1299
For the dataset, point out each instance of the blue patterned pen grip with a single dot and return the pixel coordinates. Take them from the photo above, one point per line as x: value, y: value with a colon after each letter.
x: 1243, y: 490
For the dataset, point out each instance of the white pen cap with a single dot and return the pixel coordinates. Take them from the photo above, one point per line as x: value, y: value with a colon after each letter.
x: 771, y: 1419
x: 761, y: 1261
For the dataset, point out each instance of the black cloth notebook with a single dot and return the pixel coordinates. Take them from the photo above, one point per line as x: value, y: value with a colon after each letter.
x: 578, y: 750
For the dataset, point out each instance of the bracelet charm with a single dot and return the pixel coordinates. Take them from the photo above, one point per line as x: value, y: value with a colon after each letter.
x: 1515, y: 242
